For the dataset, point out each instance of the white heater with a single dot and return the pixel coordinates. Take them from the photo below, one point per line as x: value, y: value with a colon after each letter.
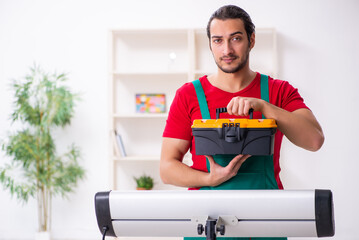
x: 226, y: 213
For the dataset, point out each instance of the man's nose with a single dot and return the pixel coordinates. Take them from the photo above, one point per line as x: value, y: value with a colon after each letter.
x: 227, y: 48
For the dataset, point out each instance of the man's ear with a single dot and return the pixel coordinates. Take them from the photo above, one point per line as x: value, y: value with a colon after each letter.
x: 253, y: 40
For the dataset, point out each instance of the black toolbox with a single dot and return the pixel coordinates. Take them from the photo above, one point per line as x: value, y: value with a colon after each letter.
x: 234, y: 136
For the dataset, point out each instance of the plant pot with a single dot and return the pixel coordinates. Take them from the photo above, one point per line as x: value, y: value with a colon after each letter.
x: 141, y: 188
x: 43, y: 235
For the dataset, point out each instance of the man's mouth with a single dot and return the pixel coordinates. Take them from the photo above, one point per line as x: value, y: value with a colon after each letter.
x: 228, y: 59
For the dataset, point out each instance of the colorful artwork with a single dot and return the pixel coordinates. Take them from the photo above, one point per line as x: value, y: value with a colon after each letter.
x: 150, y: 103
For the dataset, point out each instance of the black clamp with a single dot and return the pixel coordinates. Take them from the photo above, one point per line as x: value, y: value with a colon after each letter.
x: 214, y: 226
x: 232, y: 132
x: 211, y: 229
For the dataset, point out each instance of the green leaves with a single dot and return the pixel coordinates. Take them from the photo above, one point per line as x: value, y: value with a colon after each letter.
x: 144, y: 182
x: 21, y: 190
x: 22, y: 147
x: 42, y: 103
x: 67, y: 173
x: 40, y: 100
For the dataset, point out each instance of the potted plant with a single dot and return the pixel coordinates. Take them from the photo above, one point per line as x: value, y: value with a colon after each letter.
x: 42, y: 104
x: 144, y: 182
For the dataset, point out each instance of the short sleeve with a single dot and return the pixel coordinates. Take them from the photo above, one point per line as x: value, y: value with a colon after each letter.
x: 178, y: 124
x: 286, y: 96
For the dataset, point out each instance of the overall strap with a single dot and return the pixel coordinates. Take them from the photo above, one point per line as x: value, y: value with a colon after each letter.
x: 264, y: 89
x: 203, y: 102
x: 201, y: 99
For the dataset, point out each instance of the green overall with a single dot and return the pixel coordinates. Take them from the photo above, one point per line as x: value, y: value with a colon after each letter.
x: 257, y: 172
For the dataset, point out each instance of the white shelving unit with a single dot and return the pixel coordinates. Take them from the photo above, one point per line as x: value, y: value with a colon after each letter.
x: 159, y: 61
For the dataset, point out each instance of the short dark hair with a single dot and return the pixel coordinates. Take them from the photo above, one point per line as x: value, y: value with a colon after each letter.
x: 232, y: 12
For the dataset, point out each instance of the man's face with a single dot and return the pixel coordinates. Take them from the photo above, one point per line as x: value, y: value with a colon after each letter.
x: 229, y: 44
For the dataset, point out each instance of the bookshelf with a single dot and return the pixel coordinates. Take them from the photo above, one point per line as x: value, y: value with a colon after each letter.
x: 159, y: 62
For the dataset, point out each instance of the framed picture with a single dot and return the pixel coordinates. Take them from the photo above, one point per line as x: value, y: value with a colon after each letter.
x: 150, y: 103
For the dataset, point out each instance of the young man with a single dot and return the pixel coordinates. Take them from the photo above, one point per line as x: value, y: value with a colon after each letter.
x: 231, y: 37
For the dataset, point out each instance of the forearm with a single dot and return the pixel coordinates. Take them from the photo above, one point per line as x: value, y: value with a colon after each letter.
x: 300, y: 126
x: 175, y: 172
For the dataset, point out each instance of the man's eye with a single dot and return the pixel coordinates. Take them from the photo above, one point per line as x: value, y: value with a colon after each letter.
x: 216, y: 40
x: 236, y: 38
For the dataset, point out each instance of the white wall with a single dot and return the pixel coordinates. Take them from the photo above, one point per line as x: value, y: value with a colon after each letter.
x: 318, y: 44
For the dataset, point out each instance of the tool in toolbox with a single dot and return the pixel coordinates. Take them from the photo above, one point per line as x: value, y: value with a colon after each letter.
x: 234, y: 136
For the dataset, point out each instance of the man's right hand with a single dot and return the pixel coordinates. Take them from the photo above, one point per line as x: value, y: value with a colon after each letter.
x: 219, y: 174
x: 174, y: 172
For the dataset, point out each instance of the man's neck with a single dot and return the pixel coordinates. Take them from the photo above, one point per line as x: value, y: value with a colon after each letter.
x: 232, y: 82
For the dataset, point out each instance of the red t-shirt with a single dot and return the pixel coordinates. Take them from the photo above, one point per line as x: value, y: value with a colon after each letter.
x: 185, y: 109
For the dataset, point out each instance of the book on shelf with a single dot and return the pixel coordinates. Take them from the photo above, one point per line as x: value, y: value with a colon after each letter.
x: 115, y: 146
x: 119, y: 144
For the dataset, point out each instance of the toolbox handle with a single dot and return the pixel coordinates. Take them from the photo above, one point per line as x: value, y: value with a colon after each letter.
x: 224, y: 110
